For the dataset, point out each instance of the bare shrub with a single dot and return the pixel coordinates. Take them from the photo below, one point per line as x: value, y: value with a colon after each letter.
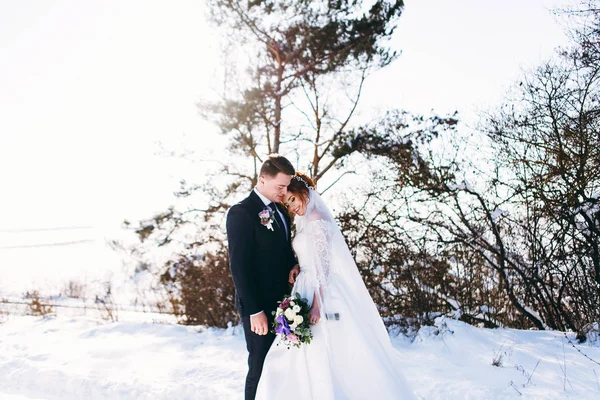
x: 35, y: 306
x: 501, y: 355
x: 497, y: 360
x: 3, y: 312
x: 74, y: 290
x: 589, y: 333
x: 106, y: 305
x: 200, y: 289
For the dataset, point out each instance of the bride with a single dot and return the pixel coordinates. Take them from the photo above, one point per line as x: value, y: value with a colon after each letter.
x: 350, y: 355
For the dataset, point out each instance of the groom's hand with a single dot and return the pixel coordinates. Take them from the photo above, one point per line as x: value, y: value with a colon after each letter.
x: 259, y: 324
x: 294, y: 274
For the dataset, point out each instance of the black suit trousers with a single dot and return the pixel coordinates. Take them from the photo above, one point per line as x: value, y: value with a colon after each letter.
x: 258, y: 346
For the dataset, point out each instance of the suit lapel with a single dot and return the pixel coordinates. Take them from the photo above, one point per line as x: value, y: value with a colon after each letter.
x: 256, y: 202
x: 258, y: 206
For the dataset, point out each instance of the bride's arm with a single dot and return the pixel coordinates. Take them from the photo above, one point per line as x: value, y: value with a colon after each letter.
x: 321, y: 241
x: 321, y: 238
x: 314, y: 314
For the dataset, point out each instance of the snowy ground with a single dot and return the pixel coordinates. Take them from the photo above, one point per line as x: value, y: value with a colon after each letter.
x: 83, y: 358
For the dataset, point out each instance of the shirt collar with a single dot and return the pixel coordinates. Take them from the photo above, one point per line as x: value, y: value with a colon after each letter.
x: 263, y: 198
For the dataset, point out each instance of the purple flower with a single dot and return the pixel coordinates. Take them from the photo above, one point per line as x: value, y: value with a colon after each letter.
x: 264, y: 214
x: 283, y: 327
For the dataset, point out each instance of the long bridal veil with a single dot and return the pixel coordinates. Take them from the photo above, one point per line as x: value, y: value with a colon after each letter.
x: 361, y: 359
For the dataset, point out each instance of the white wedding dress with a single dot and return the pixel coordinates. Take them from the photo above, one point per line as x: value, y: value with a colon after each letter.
x: 350, y: 356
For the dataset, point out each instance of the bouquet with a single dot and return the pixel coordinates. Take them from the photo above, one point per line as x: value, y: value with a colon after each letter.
x: 291, y: 321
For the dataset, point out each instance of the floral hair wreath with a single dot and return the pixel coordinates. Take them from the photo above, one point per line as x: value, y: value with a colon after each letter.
x: 299, y: 178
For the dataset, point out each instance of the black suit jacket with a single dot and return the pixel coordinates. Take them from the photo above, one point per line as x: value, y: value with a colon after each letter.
x: 260, y: 259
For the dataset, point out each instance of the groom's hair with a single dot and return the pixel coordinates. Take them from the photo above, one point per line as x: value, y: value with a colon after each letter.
x: 275, y: 164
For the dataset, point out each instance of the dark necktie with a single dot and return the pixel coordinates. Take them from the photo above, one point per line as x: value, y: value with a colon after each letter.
x: 278, y: 220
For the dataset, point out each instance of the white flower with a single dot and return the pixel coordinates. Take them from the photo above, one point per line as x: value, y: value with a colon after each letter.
x: 292, y: 303
x: 270, y: 226
x: 293, y: 326
x: 298, y: 319
x: 279, y: 311
x: 297, y: 308
x: 290, y: 314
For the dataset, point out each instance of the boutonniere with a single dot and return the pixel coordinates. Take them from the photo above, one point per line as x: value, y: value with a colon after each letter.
x: 266, y: 218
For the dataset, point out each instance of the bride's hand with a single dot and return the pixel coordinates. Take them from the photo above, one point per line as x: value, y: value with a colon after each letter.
x: 314, y: 315
x: 294, y: 274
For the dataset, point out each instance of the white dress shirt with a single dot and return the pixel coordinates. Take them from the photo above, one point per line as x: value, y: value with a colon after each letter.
x: 267, y: 202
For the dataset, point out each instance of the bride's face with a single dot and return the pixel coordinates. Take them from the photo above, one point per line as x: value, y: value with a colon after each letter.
x: 294, y: 203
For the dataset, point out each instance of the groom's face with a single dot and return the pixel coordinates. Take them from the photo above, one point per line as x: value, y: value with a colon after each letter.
x: 274, y: 188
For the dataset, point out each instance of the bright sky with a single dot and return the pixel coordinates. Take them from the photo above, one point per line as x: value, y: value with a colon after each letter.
x: 463, y: 55
x: 89, y: 89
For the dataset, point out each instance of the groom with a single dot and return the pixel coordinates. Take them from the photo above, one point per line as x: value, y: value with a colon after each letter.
x: 261, y: 260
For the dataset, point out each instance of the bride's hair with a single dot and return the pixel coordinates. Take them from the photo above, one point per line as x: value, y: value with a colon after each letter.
x: 300, y: 184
